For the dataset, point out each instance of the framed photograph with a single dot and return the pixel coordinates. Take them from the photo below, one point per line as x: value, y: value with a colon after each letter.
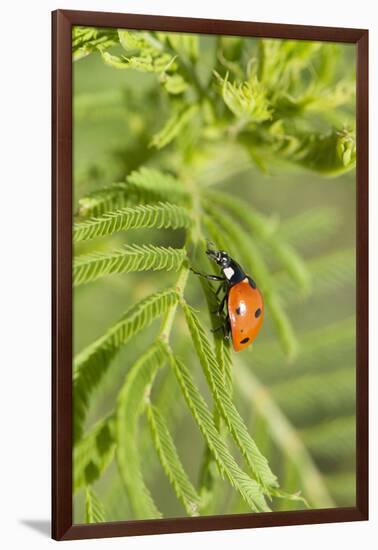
x: 210, y: 266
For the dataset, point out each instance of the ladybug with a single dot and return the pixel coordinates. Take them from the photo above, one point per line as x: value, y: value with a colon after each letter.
x: 243, y: 300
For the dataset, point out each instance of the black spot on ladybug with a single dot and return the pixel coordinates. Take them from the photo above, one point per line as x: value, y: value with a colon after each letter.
x: 257, y: 312
x: 244, y: 341
x: 238, y: 311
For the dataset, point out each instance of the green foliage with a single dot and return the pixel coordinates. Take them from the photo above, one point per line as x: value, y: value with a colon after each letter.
x: 174, y: 126
x: 197, y: 124
x: 91, y: 364
x: 156, y: 216
x: 249, y: 489
x: 131, y: 401
x: 94, y: 510
x: 85, y: 40
x: 247, y: 100
x: 170, y: 461
x: 93, y: 453
x: 130, y: 258
x: 142, y: 186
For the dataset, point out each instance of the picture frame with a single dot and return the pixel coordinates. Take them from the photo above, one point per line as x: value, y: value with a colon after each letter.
x: 63, y: 527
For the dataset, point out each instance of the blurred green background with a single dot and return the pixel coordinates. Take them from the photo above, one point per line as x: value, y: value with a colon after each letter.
x: 300, y: 411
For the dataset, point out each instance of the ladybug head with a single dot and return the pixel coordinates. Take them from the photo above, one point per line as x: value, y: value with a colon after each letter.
x: 219, y: 256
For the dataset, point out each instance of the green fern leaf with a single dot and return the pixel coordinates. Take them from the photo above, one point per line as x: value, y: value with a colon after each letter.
x: 221, y: 345
x: 132, y: 41
x: 93, y: 453
x: 90, y: 267
x: 85, y: 40
x: 162, y: 183
x: 111, y: 197
x: 247, y: 100
x: 256, y: 461
x: 161, y: 215
x: 130, y: 403
x: 91, y: 364
x: 145, y: 64
x: 171, y: 462
x: 248, y: 488
x: 330, y: 154
x: 142, y: 186
x: 94, y: 509
x: 173, y: 126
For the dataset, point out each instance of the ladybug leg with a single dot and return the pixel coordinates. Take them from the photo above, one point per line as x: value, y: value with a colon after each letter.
x: 220, y: 307
x: 227, y: 328
x: 208, y: 277
x: 220, y: 288
x: 219, y: 310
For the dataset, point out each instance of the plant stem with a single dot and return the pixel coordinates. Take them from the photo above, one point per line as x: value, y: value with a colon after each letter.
x: 192, y: 239
x: 167, y: 323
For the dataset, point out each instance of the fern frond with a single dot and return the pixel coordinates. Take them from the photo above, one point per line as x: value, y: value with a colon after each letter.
x: 248, y: 488
x: 311, y: 226
x: 256, y: 461
x: 159, y: 183
x: 221, y: 345
x: 93, y: 453
x: 85, y: 40
x: 145, y: 185
x: 173, y: 126
x: 144, y: 41
x: 145, y: 63
x: 330, y: 154
x: 311, y: 397
x: 91, y: 364
x: 130, y: 403
x: 161, y: 215
x: 247, y: 100
x: 242, y: 246
x: 171, y: 463
x: 94, y: 509
x: 90, y: 267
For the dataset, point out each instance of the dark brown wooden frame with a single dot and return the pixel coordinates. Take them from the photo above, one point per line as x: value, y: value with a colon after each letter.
x: 62, y: 523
